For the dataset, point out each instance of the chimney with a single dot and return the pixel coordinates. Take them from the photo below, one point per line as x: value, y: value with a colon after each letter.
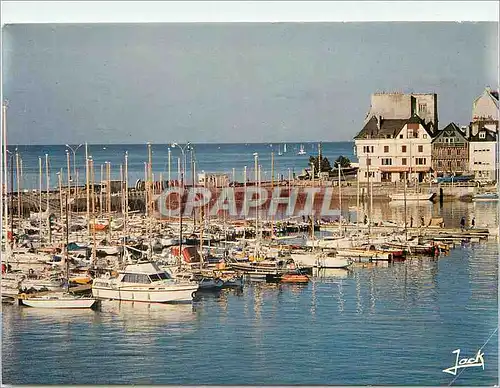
x: 413, y: 102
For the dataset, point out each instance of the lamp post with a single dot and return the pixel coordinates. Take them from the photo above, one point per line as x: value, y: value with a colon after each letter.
x: 75, y: 175
x: 183, y: 149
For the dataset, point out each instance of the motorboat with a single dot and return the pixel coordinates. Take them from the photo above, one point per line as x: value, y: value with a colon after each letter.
x: 294, y: 278
x: 321, y: 260
x: 485, y: 197
x: 144, y: 282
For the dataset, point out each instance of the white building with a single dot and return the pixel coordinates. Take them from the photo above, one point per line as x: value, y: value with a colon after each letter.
x: 486, y: 106
x: 402, y: 106
x: 389, y: 150
x: 213, y: 180
x: 483, y: 155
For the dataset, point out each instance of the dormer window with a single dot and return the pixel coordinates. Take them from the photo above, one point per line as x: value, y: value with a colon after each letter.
x: 482, y: 135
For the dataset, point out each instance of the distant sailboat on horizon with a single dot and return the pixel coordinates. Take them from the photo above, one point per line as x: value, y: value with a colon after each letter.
x: 301, y: 151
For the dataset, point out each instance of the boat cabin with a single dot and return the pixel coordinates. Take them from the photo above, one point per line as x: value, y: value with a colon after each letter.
x: 143, y: 273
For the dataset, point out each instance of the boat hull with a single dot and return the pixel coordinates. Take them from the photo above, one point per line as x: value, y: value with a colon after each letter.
x: 167, y: 295
x: 59, y: 303
x: 411, y: 197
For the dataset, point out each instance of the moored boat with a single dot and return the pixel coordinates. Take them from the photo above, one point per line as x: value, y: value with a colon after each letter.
x: 58, y: 301
x: 144, y: 282
x: 294, y: 278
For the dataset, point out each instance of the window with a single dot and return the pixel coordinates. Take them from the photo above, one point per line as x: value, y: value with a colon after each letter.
x: 403, y: 161
x: 451, y: 140
x: 422, y: 108
x: 420, y: 148
x: 420, y: 161
x: 368, y: 162
x: 403, y: 148
x: 440, y: 163
x: 386, y: 162
x: 372, y: 174
x: 449, y: 152
x: 482, y: 135
x: 424, y: 136
x: 368, y: 149
x: 386, y: 149
x: 401, y: 136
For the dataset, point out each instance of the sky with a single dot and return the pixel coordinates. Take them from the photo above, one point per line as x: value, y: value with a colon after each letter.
x: 232, y: 82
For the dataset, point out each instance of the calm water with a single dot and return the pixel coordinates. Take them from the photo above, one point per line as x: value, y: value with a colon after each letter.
x: 208, y: 157
x: 396, y: 324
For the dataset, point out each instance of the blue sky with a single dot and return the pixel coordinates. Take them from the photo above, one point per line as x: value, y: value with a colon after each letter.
x: 268, y: 82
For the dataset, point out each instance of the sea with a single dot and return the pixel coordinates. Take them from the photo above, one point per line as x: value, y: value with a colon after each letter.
x: 385, y: 324
x: 281, y: 158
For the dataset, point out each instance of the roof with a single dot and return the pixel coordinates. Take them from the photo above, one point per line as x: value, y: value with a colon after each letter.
x: 451, y: 127
x: 490, y: 136
x: 389, y: 128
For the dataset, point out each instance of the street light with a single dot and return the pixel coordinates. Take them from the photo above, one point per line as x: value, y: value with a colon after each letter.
x: 74, y: 166
x: 182, y: 148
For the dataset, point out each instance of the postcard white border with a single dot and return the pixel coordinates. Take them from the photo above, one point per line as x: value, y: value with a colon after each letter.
x: 245, y: 11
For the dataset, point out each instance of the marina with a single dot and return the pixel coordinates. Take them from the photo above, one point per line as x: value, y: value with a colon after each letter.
x: 249, y: 203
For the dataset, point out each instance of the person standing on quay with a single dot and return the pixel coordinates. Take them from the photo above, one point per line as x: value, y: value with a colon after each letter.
x: 462, y: 223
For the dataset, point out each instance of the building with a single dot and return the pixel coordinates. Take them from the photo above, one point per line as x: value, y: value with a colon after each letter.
x: 485, y: 108
x: 213, y: 180
x: 402, y: 106
x: 483, y: 154
x: 450, y: 151
x: 390, y: 150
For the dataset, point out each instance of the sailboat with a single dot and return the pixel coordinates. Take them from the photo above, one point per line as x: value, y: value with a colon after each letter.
x: 301, y: 151
x: 284, y: 149
x: 60, y: 300
x: 279, y: 151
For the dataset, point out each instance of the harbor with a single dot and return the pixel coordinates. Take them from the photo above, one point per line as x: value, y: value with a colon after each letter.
x: 249, y: 204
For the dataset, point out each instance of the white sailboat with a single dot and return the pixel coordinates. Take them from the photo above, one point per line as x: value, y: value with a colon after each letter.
x: 301, y: 150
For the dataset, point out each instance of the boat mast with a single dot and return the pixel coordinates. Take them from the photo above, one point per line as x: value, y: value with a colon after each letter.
x: 92, y: 183
x: 340, y: 204
x: 125, y: 221
x: 108, y: 195
x: 357, y: 197
x: 59, y: 174
x: 272, y: 190
x: 69, y: 173
x: 312, y: 210
x: 67, y: 240
x: 244, y: 198
x: 88, y: 186
x: 40, y: 198
x: 18, y: 190
x: 47, y: 181
x: 4, y: 173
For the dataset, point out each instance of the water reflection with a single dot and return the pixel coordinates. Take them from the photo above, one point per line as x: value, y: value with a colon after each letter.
x: 140, y: 316
x: 485, y: 213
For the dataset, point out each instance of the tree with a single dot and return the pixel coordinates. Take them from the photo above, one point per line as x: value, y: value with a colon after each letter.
x: 325, y: 164
x: 344, y: 162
